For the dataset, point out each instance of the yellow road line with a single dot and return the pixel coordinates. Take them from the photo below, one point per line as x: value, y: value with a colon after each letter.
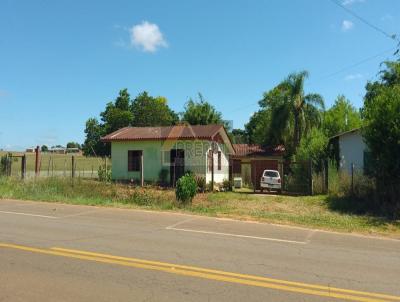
x: 174, y: 269
x: 252, y: 277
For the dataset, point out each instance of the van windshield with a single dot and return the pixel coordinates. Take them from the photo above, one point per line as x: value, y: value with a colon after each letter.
x: 271, y: 174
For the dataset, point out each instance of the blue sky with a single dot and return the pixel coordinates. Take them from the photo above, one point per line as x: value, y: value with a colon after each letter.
x: 62, y: 61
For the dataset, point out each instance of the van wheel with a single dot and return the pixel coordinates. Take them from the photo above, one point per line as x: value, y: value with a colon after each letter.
x: 279, y: 191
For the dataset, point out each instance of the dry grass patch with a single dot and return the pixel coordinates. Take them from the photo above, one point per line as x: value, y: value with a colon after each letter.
x: 314, y: 211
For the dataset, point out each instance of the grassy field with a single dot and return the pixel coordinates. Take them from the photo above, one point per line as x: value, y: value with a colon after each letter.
x: 316, y: 211
x: 51, y: 163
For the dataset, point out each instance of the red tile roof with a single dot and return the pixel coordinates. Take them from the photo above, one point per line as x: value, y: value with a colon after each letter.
x: 243, y: 150
x: 162, y: 133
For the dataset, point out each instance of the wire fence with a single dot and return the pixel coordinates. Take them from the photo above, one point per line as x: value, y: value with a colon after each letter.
x: 19, y: 165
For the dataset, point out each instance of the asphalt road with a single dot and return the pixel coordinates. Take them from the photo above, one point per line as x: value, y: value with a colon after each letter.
x: 55, y: 252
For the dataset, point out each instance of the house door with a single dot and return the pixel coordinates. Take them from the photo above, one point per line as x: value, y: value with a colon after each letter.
x: 177, y: 168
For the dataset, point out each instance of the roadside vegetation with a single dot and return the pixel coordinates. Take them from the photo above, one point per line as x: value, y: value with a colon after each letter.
x: 330, y: 213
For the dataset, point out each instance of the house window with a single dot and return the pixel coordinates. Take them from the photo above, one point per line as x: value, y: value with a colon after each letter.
x: 219, y: 160
x: 210, y: 160
x: 134, y: 160
x: 237, y: 166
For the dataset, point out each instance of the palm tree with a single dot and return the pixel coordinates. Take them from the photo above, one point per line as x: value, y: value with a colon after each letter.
x: 296, y: 112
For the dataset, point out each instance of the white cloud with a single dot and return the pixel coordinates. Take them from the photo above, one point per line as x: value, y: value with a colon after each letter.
x: 352, y: 77
x: 347, y: 25
x: 350, y: 2
x: 147, y: 36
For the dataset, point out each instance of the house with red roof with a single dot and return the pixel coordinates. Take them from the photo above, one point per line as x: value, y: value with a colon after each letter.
x: 164, y: 154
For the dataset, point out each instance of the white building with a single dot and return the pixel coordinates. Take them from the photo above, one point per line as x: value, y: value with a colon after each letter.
x: 351, y: 150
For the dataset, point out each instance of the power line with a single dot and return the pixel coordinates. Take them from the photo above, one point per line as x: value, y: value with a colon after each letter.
x: 390, y: 36
x: 343, y: 69
x: 355, y: 64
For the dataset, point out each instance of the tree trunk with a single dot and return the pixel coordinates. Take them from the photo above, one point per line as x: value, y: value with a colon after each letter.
x: 296, y: 138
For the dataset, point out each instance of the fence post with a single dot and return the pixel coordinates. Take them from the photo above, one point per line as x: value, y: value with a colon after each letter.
x: 48, y: 167
x: 311, y: 185
x: 254, y: 176
x: 23, y: 166
x: 230, y: 168
x: 37, y: 160
x: 8, y: 165
x: 212, y: 171
x: 73, y: 166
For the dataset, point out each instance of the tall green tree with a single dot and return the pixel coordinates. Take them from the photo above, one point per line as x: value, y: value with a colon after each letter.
x: 341, y: 117
x: 239, y: 136
x: 201, y: 112
x: 92, y: 145
x: 144, y: 110
x: 117, y: 114
x: 313, y: 147
x: 287, y: 113
x: 152, y: 111
x: 258, y: 127
x: 381, y: 131
x: 303, y: 108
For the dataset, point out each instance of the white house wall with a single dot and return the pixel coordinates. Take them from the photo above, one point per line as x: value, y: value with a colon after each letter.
x: 351, y: 148
x: 223, y: 174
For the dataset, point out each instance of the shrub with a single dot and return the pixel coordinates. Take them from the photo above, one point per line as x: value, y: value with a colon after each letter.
x: 186, y: 188
x: 381, y: 133
x: 201, y: 183
x: 313, y: 147
x: 104, y: 173
x: 226, y: 185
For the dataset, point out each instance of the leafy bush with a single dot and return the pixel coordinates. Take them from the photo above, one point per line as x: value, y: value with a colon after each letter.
x: 104, y: 173
x: 381, y: 132
x: 314, y: 147
x: 201, y: 183
x: 226, y: 185
x: 186, y: 188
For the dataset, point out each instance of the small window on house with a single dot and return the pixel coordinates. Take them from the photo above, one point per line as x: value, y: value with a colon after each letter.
x: 237, y: 166
x: 210, y: 160
x: 134, y: 157
x: 219, y: 160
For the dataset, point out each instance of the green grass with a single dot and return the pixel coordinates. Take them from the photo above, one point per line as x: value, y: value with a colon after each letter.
x: 308, y: 211
x: 311, y: 211
x: 56, y: 162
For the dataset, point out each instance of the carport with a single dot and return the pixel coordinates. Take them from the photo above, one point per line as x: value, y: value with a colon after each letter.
x: 250, y: 160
